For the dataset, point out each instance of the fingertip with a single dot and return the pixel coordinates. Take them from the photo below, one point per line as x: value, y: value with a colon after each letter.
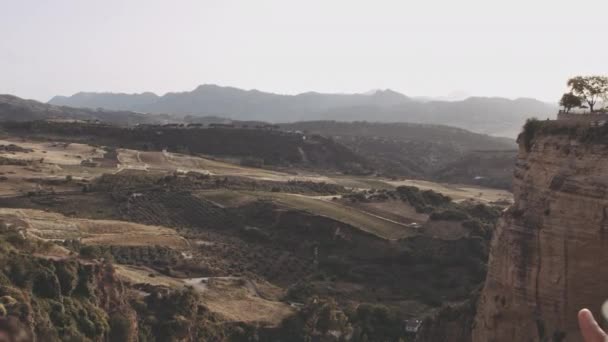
x: 585, y: 315
x: 589, y: 327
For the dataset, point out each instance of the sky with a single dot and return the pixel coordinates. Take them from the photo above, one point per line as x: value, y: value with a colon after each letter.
x: 420, y: 48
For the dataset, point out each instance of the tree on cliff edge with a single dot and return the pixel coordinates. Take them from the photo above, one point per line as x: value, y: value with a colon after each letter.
x: 569, y: 101
x: 589, y: 88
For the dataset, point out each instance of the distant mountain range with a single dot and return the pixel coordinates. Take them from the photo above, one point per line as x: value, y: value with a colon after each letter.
x: 496, y: 116
x: 426, y: 151
x: 13, y: 108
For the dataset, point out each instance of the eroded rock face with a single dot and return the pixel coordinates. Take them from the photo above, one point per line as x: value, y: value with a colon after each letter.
x: 549, y: 255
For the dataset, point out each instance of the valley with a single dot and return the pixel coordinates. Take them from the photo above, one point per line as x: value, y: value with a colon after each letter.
x: 303, y: 171
x: 259, y: 248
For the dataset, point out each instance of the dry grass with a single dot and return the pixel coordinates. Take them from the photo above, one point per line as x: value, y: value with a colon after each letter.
x: 239, y: 299
x: 362, y: 182
x: 396, y: 210
x: 141, y: 275
x: 236, y: 299
x: 459, y: 192
x: 54, y: 226
x: 168, y: 161
x: 54, y: 153
x: 47, y: 161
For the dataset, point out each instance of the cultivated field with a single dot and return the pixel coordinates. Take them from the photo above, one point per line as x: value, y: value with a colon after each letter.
x: 459, y: 192
x: 167, y: 161
x: 53, y: 226
x: 227, y: 198
x: 27, y: 165
x: 53, y: 152
x: 395, y: 210
x: 323, y: 206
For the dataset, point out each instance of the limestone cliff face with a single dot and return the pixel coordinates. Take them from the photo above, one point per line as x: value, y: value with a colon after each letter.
x: 549, y: 255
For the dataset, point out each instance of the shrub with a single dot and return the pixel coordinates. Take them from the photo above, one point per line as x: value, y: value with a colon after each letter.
x: 476, y: 228
x: 532, y: 126
x: 90, y: 252
x: 46, y: 285
x: 484, y: 212
x: 67, y: 273
x: 449, y: 215
x: 121, y: 328
x: 423, y: 201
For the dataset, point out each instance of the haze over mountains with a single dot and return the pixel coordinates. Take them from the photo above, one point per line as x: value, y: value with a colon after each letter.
x: 496, y: 116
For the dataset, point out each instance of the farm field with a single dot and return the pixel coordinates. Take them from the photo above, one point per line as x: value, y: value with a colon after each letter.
x: 52, y: 152
x: 323, y: 206
x: 168, y: 161
x: 53, y: 226
x: 459, y: 192
x: 392, y: 209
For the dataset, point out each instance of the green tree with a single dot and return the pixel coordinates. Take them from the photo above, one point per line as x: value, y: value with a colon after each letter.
x: 569, y: 101
x: 589, y: 88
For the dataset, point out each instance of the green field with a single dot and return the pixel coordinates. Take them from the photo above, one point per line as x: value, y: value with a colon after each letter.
x: 227, y: 198
x: 368, y: 222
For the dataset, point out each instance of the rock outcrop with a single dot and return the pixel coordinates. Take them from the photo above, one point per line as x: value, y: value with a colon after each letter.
x: 550, y: 249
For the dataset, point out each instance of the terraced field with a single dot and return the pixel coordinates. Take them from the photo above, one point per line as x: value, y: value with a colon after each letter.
x: 175, y: 209
x: 53, y: 226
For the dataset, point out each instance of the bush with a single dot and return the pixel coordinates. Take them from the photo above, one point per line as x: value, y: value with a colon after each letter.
x: 476, y: 228
x: 90, y: 252
x: 449, y: 215
x: 423, y: 201
x: 121, y: 328
x: 485, y: 213
x: 46, y: 285
x: 67, y: 273
x: 532, y: 126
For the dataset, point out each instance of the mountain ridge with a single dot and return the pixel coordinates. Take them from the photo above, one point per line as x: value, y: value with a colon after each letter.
x: 489, y: 115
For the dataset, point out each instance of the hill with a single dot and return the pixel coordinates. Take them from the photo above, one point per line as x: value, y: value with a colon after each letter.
x: 249, y: 147
x: 423, y: 151
x: 13, y: 108
x: 497, y: 116
x: 458, y: 137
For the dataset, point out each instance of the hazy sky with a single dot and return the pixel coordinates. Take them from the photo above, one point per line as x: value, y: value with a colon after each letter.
x: 506, y: 48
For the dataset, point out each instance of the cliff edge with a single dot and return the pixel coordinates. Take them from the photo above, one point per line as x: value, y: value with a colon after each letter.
x: 549, y: 251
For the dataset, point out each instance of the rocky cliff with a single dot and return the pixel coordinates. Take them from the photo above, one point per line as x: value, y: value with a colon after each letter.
x: 549, y: 252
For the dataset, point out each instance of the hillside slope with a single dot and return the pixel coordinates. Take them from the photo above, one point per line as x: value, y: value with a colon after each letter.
x: 256, y: 147
x: 458, y: 137
x: 436, y: 152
